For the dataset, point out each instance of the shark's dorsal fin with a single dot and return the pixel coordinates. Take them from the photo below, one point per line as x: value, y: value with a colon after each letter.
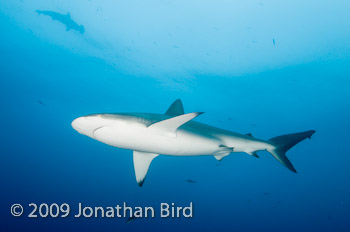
x: 176, y: 108
x: 68, y: 14
x: 169, y: 126
x: 142, y: 160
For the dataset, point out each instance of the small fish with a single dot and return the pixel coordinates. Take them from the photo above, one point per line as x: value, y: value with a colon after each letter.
x: 40, y: 102
x: 274, y: 42
x: 130, y: 219
x: 191, y: 181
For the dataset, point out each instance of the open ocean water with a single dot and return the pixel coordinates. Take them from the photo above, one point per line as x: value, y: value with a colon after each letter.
x: 264, y: 67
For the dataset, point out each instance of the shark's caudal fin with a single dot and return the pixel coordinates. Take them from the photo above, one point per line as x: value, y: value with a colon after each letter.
x: 284, y: 142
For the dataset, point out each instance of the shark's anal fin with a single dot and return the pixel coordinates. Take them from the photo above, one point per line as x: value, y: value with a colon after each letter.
x: 176, y: 108
x: 254, y: 154
x: 169, y: 126
x: 142, y: 160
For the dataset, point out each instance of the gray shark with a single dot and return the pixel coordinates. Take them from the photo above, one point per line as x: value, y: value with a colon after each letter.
x: 175, y: 133
x: 63, y: 18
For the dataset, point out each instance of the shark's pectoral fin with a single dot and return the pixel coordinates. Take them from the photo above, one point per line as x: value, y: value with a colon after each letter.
x: 142, y: 160
x: 169, y: 126
x: 176, y: 108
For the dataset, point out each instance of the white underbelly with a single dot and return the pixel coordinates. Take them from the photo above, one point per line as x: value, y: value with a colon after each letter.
x: 139, y: 138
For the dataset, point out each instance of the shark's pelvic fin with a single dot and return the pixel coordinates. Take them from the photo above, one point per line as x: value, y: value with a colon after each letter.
x: 142, y: 160
x: 220, y: 155
x: 223, y: 152
x: 170, y: 125
x: 176, y: 108
x: 284, y: 142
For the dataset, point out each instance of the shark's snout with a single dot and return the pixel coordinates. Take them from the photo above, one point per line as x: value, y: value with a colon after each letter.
x: 86, y: 125
x: 78, y: 124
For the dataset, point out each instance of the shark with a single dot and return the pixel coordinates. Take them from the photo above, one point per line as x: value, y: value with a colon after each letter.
x: 176, y: 133
x: 66, y: 19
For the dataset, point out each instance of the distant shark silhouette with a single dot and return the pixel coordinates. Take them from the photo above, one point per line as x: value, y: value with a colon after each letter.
x: 63, y: 18
x: 191, y: 181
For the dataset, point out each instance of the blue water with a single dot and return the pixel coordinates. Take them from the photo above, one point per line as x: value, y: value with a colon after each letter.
x: 290, y: 78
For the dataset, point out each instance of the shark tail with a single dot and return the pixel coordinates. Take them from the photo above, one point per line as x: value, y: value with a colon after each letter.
x: 283, y: 143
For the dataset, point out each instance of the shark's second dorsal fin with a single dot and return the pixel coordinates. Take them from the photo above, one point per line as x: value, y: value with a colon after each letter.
x: 68, y: 14
x: 169, y: 126
x: 142, y: 160
x: 176, y: 108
